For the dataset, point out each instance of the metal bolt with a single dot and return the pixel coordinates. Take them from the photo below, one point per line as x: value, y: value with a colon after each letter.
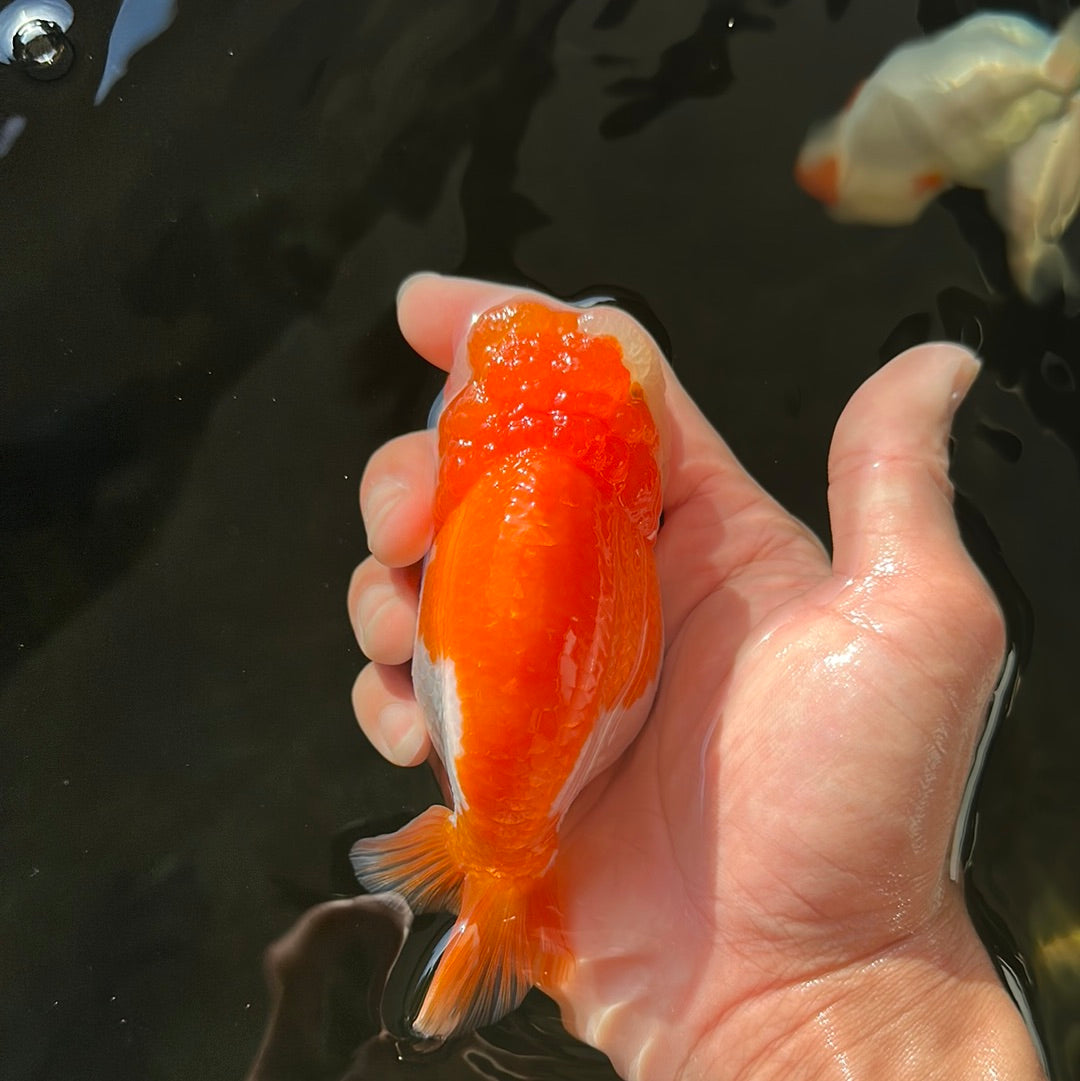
x: 42, y: 49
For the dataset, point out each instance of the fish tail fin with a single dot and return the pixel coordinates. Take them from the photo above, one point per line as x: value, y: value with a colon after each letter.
x: 1043, y: 270
x: 506, y: 939
x: 416, y: 862
x: 1063, y: 64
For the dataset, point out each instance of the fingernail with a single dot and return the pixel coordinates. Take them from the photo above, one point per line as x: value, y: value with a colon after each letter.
x: 967, y: 368
x: 401, y: 734
x: 411, y: 280
x: 436, y: 408
x: 380, y: 503
x: 368, y: 608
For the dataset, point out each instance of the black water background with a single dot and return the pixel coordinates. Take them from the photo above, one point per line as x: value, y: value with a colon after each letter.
x: 198, y: 354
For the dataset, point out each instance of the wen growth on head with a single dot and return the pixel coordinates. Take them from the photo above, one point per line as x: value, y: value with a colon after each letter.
x: 539, y: 638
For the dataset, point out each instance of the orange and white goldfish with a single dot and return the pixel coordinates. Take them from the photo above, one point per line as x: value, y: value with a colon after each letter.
x: 984, y: 104
x: 1035, y: 195
x: 539, y: 639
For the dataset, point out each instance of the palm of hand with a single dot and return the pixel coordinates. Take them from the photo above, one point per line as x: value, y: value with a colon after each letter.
x: 786, y: 811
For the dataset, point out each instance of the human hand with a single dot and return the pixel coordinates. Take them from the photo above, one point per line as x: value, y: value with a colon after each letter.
x: 759, y: 886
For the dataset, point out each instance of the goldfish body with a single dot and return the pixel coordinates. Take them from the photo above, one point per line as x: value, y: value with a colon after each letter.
x: 539, y: 637
x: 954, y: 108
x: 1035, y: 194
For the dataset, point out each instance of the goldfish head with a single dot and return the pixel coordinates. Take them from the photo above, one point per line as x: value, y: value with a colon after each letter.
x: 588, y: 385
x: 639, y: 353
x: 861, y: 174
x: 642, y: 358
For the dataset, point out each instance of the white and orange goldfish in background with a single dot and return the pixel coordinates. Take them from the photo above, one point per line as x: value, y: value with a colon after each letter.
x: 991, y: 103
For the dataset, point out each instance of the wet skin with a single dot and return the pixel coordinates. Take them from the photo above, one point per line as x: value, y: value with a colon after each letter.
x: 759, y: 888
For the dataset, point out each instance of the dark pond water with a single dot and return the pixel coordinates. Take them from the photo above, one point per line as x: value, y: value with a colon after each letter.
x: 198, y: 354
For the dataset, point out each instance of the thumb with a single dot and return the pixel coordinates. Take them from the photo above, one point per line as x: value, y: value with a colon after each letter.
x: 891, y: 509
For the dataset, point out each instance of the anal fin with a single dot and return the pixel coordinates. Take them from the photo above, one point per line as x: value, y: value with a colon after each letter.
x: 416, y: 861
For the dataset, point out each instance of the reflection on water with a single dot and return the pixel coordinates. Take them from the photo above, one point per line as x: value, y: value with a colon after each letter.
x: 319, y: 1027
x: 11, y: 128
x: 696, y: 66
x: 198, y: 354
x: 319, y: 974
x: 1055, y: 965
x: 138, y: 22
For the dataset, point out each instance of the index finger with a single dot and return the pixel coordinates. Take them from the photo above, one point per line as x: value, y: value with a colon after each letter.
x: 436, y: 312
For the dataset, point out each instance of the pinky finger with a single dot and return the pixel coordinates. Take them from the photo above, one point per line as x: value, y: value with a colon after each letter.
x: 389, y: 716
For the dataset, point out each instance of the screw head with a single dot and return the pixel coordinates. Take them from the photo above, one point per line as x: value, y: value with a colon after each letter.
x: 42, y: 49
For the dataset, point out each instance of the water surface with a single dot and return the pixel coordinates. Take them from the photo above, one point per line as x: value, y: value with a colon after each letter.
x: 199, y: 353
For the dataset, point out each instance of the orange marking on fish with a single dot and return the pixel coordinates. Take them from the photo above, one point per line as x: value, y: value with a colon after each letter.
x: 928, y: 182
x: 821, y: 179
x: 542, y: 600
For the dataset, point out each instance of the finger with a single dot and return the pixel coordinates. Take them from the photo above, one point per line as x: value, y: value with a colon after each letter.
x: 890, y: 497
x: 888, y: 463
x: 382, y: 607
x: 397, y: 492
x: 388, y: 714
x: 436, y: 312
